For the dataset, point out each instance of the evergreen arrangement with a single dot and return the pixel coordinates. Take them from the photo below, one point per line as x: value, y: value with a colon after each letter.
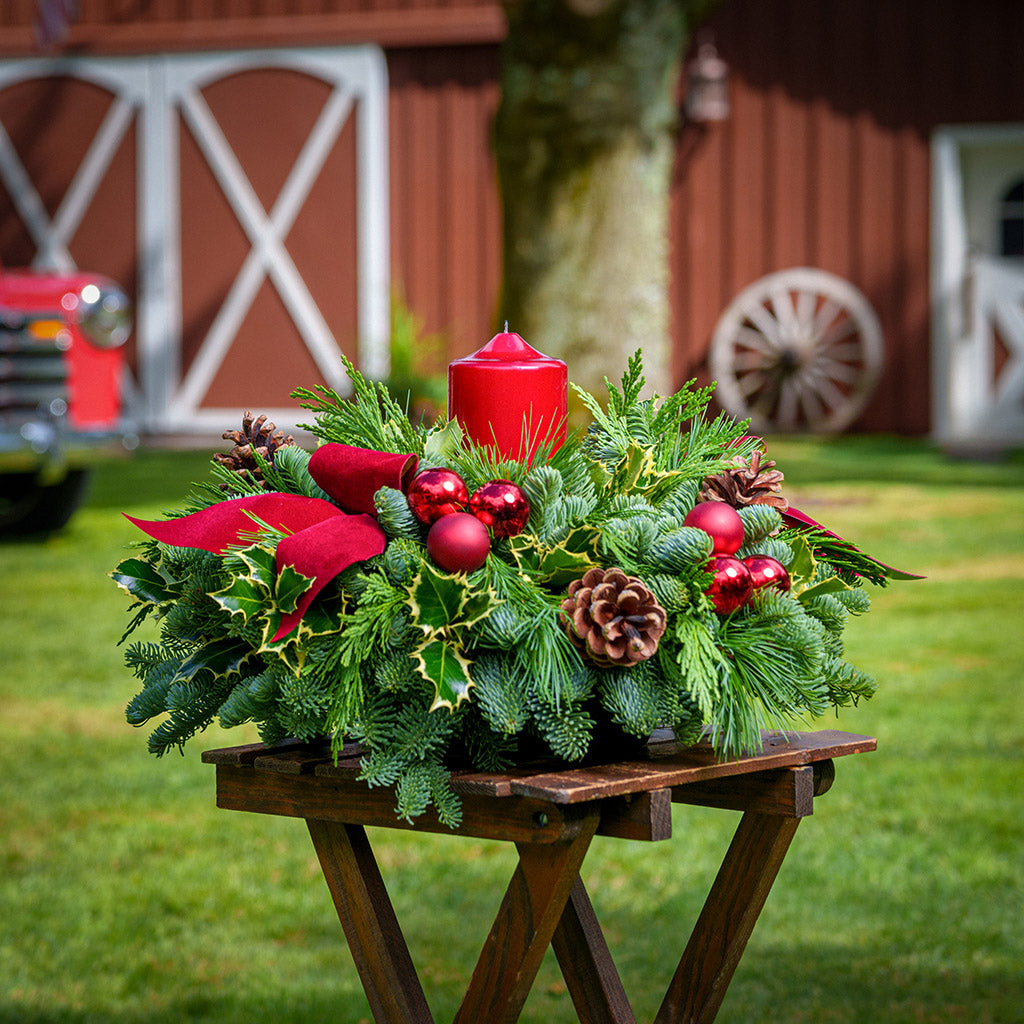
x: 599, y: 616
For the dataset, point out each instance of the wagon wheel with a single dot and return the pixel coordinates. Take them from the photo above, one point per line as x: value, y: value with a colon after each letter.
x: 800, y: 349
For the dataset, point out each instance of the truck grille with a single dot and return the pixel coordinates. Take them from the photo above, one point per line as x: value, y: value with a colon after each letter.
x: 33, y: 368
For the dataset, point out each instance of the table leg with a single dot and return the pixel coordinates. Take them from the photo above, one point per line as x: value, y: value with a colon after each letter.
x: 730, y: 912
x: 587, y: 966
x: 374, y: 937
x: 523, y: 929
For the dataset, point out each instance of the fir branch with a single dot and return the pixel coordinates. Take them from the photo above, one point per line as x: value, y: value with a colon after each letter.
x: 774, y: 655
x: 690, y: 653
x: 631, y: 696
x: 251, y: 700
x: 488, y: 750
x: 566, y: 729
x: 759, y: 521
x: 847, y: 684
x: 500, y: 693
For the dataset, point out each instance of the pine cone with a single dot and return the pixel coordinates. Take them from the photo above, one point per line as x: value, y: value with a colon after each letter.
x: 613, y: 618
x: 746, y: 484
x: 257, y: 437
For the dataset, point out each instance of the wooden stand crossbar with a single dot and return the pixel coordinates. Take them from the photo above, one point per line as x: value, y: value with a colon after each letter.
x: 551, y: 815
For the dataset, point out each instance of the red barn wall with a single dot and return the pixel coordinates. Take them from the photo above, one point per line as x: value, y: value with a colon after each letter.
x: 824, y: 160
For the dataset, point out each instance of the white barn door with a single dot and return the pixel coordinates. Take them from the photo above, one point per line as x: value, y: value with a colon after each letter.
x: 162, y: 96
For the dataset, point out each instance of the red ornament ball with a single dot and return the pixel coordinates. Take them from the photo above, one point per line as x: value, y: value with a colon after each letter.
x: 721, y: 522
x: 732, y: 586
x: 435, y: 493
x: 502, y: 506
x: 458, y: 542
x: 766, y: 571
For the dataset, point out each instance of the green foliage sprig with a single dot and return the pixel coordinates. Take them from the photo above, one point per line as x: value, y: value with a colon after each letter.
x: 431, y: 670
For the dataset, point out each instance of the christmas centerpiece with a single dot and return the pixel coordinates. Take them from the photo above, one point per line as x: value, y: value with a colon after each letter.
x: 485, y: 589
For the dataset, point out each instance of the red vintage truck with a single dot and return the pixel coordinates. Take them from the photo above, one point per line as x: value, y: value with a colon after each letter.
x: 61, y: 375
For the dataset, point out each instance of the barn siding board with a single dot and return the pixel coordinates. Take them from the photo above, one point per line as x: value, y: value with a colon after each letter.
x: 445, y: 217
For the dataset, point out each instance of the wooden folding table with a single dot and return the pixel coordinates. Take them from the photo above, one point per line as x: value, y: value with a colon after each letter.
x: 551, y: 813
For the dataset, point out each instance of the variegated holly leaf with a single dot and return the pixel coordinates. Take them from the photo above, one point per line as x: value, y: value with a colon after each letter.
x: 442, y: 442
x: 636, y: 465
x: 322, y: 617
x: 832, y: 585
x: 144, y: 581
x: 802, y: 565
x: 242, y: 597
x: 290, y: 586
x: 288, y: 649
x: 436, y: 599
x: 441, y: 664
x: 557, y: 565
x: 259, y: 565
x: 221, y: 658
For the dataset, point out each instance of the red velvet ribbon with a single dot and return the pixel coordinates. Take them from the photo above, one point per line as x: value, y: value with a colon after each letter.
x: 322, y: 538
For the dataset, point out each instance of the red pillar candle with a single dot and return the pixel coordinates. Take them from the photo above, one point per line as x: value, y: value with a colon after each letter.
x: 507, y: 388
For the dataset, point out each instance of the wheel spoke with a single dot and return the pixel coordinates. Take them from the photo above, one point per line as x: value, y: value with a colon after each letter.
x: 826, y: 315
x: 833, y: 370
x: 751, y: 338
x: 744, y: 360
x: 837, y: 332
x: 849, y: 352
x: 806, y: 305
x: 814, y: 411
x: 785, y: 314
x: 750, y: 383
x: 830, y: 395
x: 765, y: 323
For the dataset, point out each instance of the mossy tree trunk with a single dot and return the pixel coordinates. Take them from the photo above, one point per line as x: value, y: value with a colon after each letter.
x: 585, y: 136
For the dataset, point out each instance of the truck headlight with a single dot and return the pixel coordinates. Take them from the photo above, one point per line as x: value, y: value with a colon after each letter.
x: 104, y: 314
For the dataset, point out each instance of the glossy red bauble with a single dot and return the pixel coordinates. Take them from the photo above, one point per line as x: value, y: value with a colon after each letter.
x: 458, y: 542
x: 502, y: 506
x: 732, y: 585
x: 766, y: 571
x: 435, y: 493
x: 721, y: 522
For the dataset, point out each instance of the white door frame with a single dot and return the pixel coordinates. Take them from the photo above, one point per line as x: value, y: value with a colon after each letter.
x: 155, y: 89
x: 968, y: 406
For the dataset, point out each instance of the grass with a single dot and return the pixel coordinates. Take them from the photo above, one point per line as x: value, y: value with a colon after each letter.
x: 128, y: 897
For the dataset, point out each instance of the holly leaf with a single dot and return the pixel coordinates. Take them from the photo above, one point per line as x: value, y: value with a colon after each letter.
x: 559, y: 564
x: 221, y: 658
x: 832, y: 585
x: 637, y: 463
x: 144, y: 581
x: 801, y: 567
x: 320, y: 618
x: 241, y: 597
x: 438, y: 662
x: 288, y: 649
x: 442, y: 442
x: 260, y: 565
x: 290, y: 586
x: 436, y: 599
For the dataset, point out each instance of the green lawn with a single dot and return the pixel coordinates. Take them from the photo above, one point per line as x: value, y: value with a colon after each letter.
x: 127, y: 896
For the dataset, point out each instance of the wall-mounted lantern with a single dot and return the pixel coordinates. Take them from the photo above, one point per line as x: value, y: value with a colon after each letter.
x: 707, y: 86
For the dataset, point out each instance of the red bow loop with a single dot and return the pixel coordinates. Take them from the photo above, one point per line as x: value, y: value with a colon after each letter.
x: 322, y: 539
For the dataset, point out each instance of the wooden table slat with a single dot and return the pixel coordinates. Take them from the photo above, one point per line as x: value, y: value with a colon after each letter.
x: 694, y: 764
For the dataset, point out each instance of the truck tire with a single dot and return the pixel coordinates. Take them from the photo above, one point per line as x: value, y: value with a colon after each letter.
x: 27, y: 506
